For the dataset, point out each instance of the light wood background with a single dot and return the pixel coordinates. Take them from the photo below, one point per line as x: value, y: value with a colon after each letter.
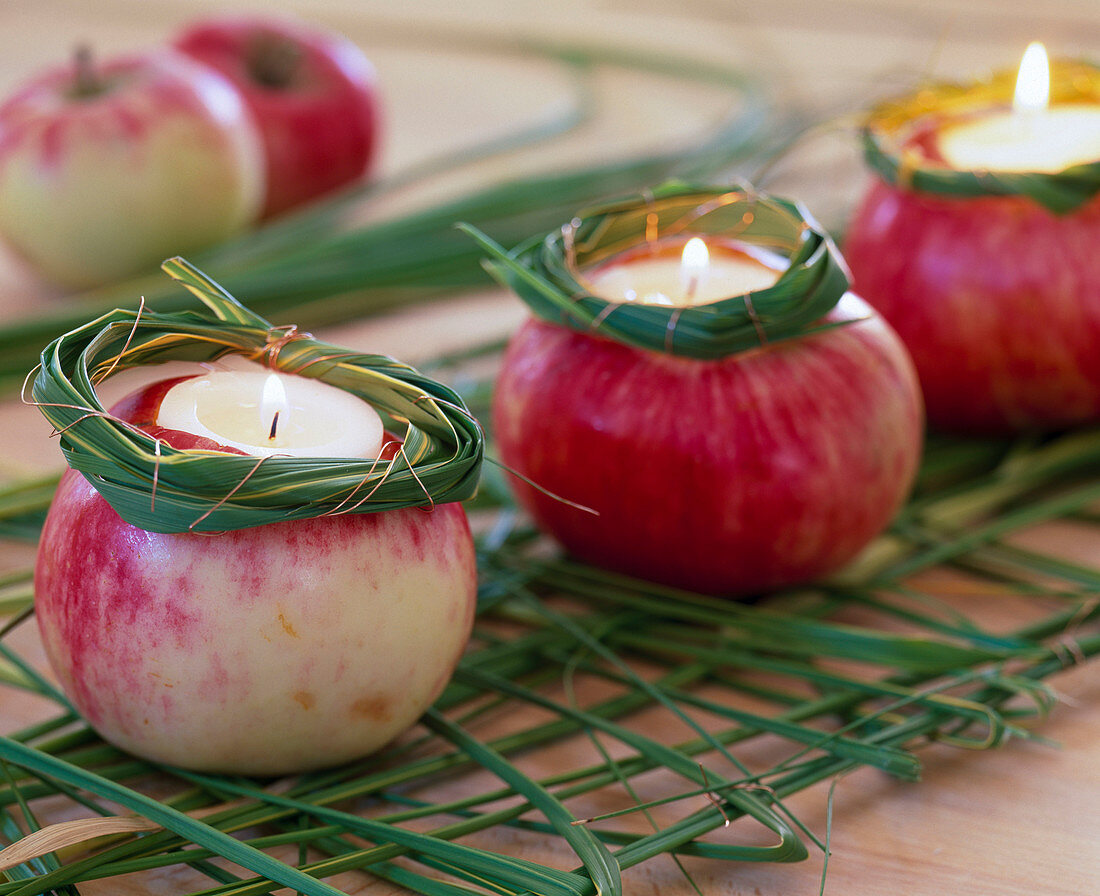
x: 1022, y: 821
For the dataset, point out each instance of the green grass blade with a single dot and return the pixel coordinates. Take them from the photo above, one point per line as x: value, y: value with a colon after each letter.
x: 51, y: 767
x: 598, y: 863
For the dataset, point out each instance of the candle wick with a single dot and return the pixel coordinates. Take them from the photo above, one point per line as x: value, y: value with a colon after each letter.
x: 274, y: 427
x: 692, y: 285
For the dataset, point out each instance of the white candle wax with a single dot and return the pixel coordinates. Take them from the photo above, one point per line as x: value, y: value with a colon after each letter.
x: 1032, y: 136
x: 237, y: 409
x: 1047, y: 140
x: 682, y: 274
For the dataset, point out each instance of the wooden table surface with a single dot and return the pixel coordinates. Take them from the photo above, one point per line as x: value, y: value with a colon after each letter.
x: 1020, y: 821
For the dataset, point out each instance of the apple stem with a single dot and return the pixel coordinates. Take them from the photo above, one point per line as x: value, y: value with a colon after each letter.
x: 273, y: 60
x: 86, y: 81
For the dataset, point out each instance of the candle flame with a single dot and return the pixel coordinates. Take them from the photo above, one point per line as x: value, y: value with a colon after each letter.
x: 1033, y: 81
x: 694, y: 262
x: 273, y: 404
x: 695, y: 257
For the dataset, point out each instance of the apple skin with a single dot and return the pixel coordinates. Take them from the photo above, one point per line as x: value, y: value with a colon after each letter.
x: 767, y: 468
x: 316, y: 106
x: 262, y: 651
x: 996, y: 298
x: 163, y: 160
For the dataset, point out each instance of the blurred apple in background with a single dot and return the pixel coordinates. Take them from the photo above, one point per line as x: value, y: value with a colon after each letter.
x: 312, y: 93
x: 996, y: 298
x: 107, y: 169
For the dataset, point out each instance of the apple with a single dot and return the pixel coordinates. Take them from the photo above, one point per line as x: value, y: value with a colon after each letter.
x: 313, y: 96
x: 997, y: 299
x: 261, y: 651
x: 732, y: 476
x: 106, y: 171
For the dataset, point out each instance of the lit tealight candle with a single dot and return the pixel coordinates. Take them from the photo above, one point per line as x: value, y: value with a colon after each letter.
x: 264, y: 413
x: 1032, y: 136
x: 682, y: 274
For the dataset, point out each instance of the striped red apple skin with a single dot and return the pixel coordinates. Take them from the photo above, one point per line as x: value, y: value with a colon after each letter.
x: 263, y: 651
x: 768, y: 468
x: 996, y: 298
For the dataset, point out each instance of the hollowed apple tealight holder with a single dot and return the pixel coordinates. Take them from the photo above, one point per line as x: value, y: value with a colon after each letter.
x: 221, y: 609
x: 989, y: 274
x: 718, y: 434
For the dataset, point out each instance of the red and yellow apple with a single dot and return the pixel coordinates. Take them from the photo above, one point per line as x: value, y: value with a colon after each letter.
x: 104, y: 172
x: 997, y: 299
x: 311, y: 92
x: 976, y: 241
x: 765, y: 468
x: 269, y: 650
